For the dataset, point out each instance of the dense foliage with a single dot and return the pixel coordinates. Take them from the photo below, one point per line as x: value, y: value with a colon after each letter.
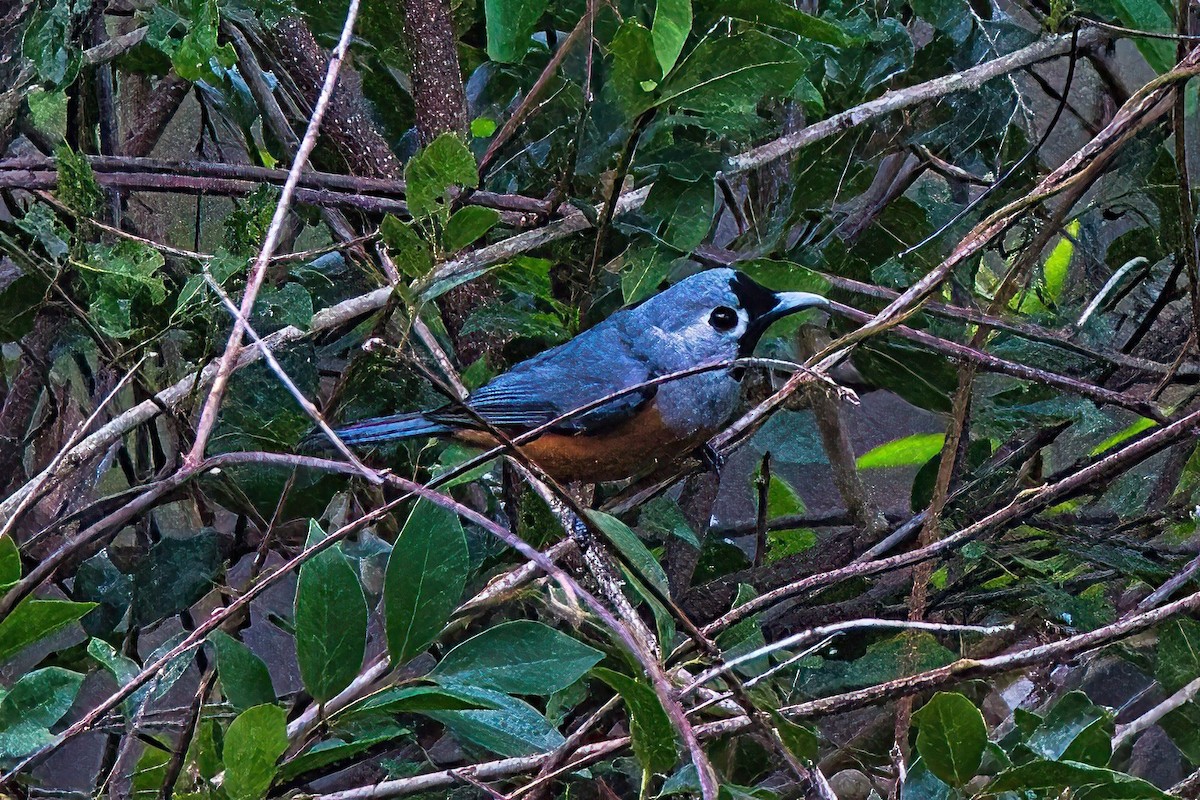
x: 950, y: 557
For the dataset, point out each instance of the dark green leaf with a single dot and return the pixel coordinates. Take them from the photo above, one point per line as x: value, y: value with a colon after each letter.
x: 951, y: 737
x: 1068, y: 732
x: 650, y: 728
x: 732, y: 75
x: 290, y: 304
x: 77, y: 185
x: 33, y: 620
x: 1058, y: 775
x: 519, y: 657
x: 99, y: 581
x: 466, y: 226
x: 331, y: 751
x: 415, y: 700
x: 245, y: 679
x: 684, y: 210
x: 622, y: 537
x: 35, y: 702
x: 10, y: 562
x: 175, y: 574
x: 509, y: 727
x: 122, y: 668
x: 426, y: 573
x: 430, y: 174
x: 1178, y: 653
x: 48, y: 44
x: 410, y: 252
x: 672, y: 23
x: 635, y: 70
x: 331, y: 620
x: 921, y: 784
x: 509, y: 26
x: 780, y: 15
x: 253, y: 743
x: 645, y: 268
x: 800, y: 741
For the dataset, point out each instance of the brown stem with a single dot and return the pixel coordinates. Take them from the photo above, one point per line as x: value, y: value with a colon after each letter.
x: 436, y: 77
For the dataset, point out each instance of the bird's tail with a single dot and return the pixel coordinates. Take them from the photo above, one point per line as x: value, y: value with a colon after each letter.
x: 383, y: 429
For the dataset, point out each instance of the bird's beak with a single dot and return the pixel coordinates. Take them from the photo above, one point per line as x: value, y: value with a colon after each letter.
x: 791, y: 302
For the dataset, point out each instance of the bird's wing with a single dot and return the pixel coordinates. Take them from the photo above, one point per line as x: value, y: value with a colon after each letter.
x: 585, y: 370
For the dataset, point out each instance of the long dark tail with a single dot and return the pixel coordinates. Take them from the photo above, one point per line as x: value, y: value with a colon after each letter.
x: 383, y: 429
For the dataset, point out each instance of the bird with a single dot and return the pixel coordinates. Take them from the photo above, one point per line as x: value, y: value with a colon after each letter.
x: 709, y: 318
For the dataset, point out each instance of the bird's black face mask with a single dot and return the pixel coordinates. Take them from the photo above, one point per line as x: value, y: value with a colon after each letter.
x: 764, y: 307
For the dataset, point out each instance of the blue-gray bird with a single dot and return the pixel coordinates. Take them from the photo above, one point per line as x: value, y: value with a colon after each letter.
x: 711, y: 317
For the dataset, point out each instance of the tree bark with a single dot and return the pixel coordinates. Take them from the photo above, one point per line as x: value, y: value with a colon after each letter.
x: 436, y: 77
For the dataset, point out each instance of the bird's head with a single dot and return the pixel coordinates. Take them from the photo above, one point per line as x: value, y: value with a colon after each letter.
x: 722, y: 313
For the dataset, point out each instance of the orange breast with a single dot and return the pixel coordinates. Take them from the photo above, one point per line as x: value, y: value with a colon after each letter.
x: 631, y: 448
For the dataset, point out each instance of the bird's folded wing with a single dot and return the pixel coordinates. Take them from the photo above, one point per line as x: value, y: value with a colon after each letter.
x: 591, y: 369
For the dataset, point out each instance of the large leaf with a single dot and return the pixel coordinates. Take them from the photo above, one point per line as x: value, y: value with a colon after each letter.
x: 33, y: 620
x: 175, y: 574
x: 509, y: 727
x: 426, y: 573
x: 331, y: 620
x: 733, y: 74
x: 519, y: 657
x: 34, y: 703
x: 1178, y: 653
x: 245, y: 679
x: 635, y: 70
x: 951, y: 737
x: 684, y: 210
x: 10, y: 563
x: 466, y: 225
x: 672, y: 23
x: 650, y: 728
x: 414, y: 700
x: 430, y: 174
x: 1058, y: 775
x: 253, y: 743
x: 509, y: 26
x: 776, y: 14
x: 1076, y: 729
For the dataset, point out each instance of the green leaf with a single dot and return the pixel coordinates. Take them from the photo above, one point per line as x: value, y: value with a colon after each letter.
x: 99, y: 581
x: 1148, y: 15
x: 35, y: 702
x: 331, y: 620
x: 780, y: 15
x: 10, y: 563
x: 175, y: 574
x: 1068, y: 733
x: 425, y: 577
x: 951, y: 737
x: 644, y: 270
x: 519, y: 657
x: 245, y: 679
x: 1058, y: 263
x: 800, y: 741
x: 1178, y: 653
x: 622, y: 537
x: 651, y: 731
x: 510, y: 23
x: 290, y: 304
x: 732, y: 75
x: 331, y: 751
x: 1058, y: 775
x: 410, y: 252
x: 921, y: 784
x: 122, y: 668
x: 509, y: 727
x: 77, y: 185
x: 466, y: 226
x: 253, y: 743
x: 49, y: 45
x: 684, y: 210
x: 429, y: 175
x: 634, y: 68
x: 33, y: 620
x: 1142, y: 424
x: 483, y: 127
x: 414, y: 700
x: 194, y: 55
x: 906, y: 452
x: 672, y: 23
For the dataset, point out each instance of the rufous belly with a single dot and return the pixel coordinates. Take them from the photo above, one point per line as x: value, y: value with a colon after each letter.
x: 632, y: 448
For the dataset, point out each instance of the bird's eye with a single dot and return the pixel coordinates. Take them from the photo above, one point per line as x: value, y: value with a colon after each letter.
x: 723, y: 318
